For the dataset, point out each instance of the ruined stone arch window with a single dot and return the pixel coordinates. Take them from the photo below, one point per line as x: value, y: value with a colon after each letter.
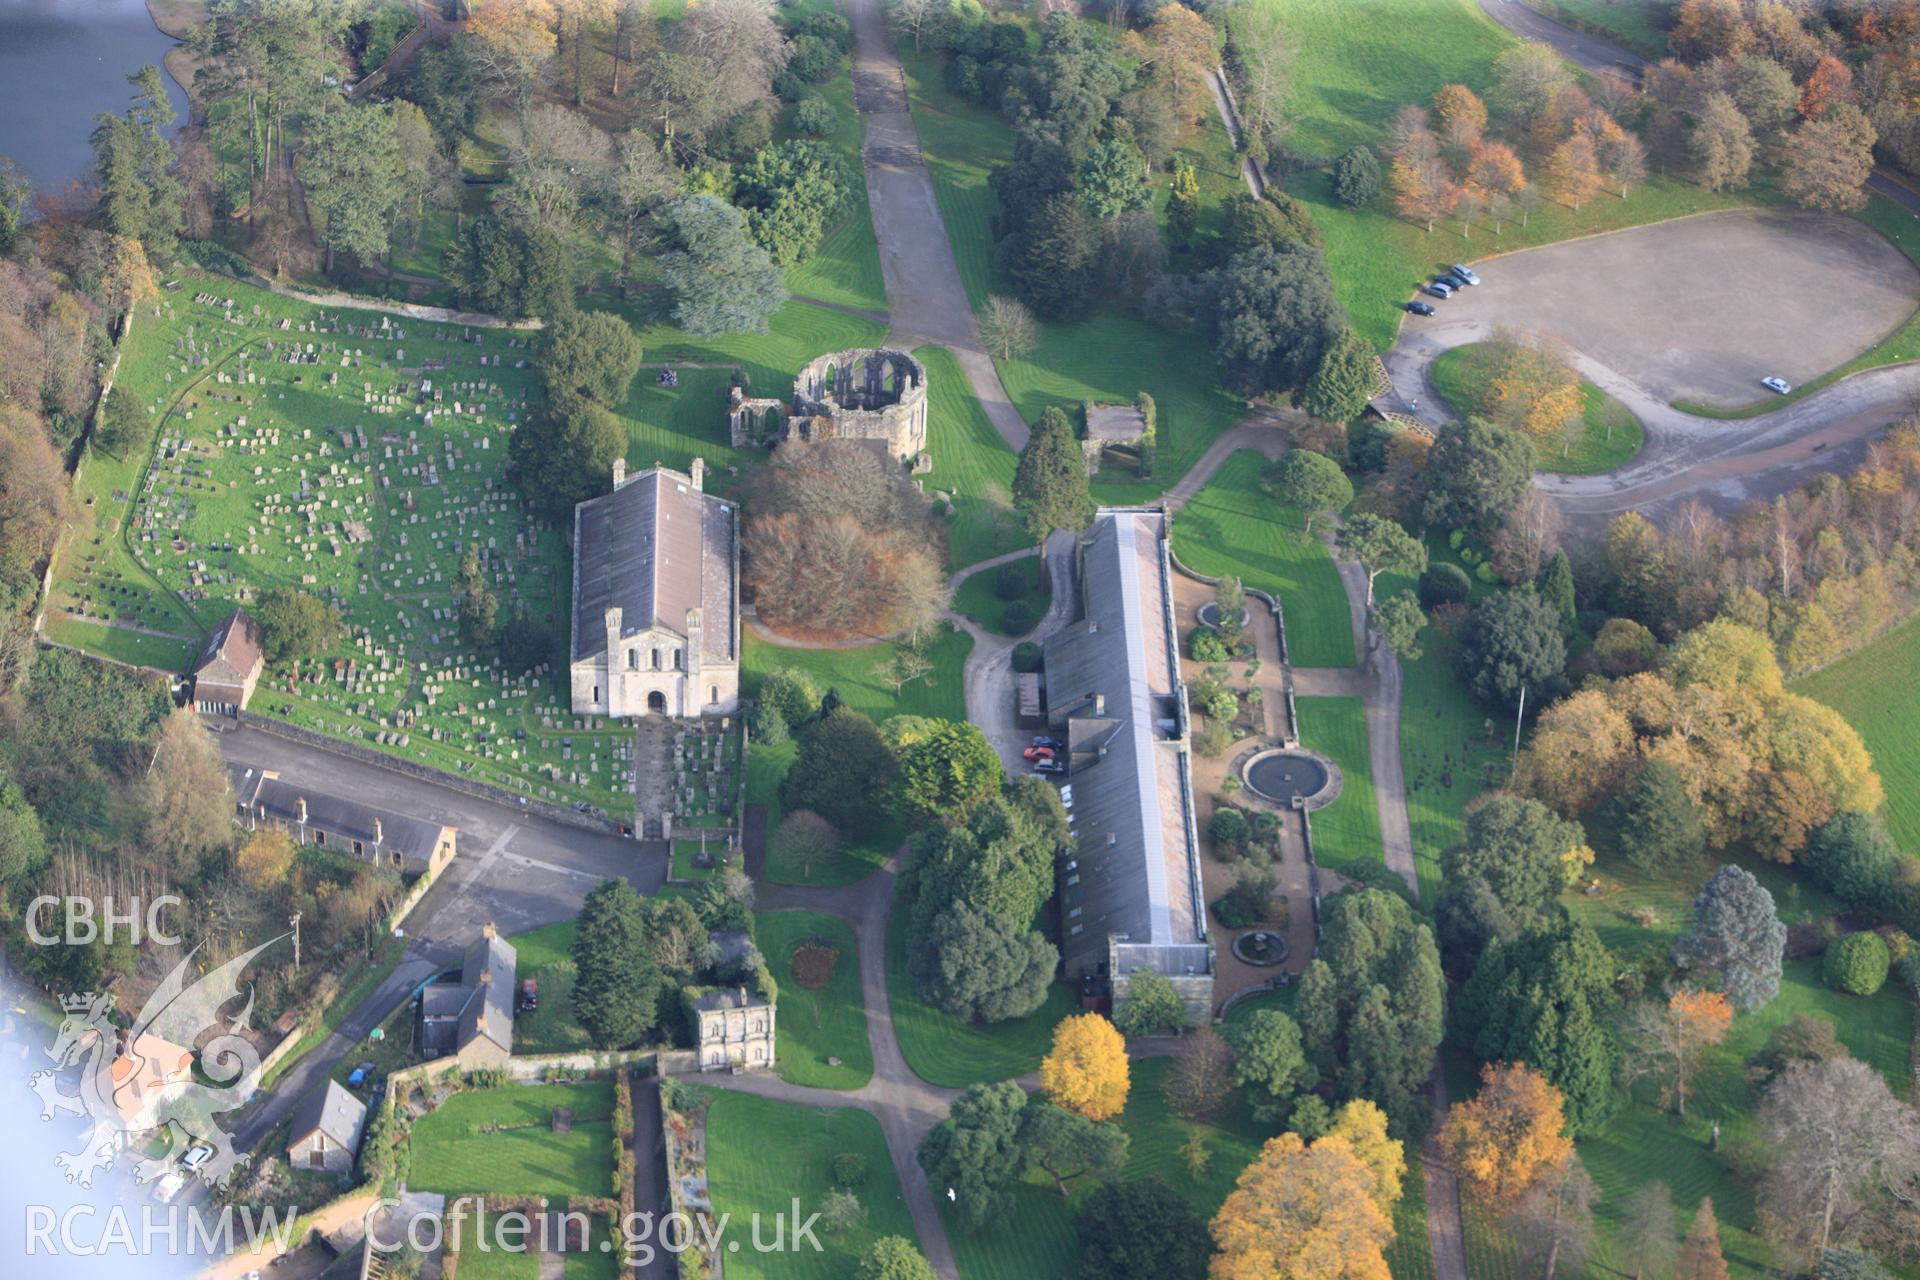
x: 633, y: 659
x: 676, y: 659
x: 713, y: 693
x: 656, y: 659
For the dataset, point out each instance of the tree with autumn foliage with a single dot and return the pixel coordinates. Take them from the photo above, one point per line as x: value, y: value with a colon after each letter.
x: 1573, y: 171
x: 1494, y: 169
x: 1423, y: 190
x: 1826, y: 162
x: 1700, y: 1256
x: 1828, y: 85
x: 1507, y: 1134
x: 1456, y: 104
x: 1086, y: 1072
x: 1181, y: 41
x: 1364, y: 1128
x: 1666, y: 1042
x: 1303, y: 1212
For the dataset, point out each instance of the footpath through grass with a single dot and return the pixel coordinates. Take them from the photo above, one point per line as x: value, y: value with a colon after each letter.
x: 1610, y: 434
x: 857, y: 674
x: 762, y: 1155
x: 1874, y: 689
x: 1110, y: 356
x: 978, y: 596
x: 1233, y: 527
x: 818, y: 1023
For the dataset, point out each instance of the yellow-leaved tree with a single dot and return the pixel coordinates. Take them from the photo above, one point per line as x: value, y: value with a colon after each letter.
x: 1086, y: 1071
x: 1506, y: 1135
x: 1303, y: 1212
x: 1364, y: 1126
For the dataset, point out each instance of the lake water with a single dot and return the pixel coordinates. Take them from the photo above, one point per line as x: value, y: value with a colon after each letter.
x: 63, y: 62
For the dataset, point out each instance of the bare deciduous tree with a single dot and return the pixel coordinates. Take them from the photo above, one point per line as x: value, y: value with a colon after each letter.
x: 1553, y: 1220
x: 1007, y: 327
x: 1846, y: 1158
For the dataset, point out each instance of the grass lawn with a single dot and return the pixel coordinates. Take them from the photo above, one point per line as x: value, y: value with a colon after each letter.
x: 762, y: 1155
x: 943, y: 1049
x: 971, y: 463
x: 164, y: 653
x: 978, y: 599
x: 852, y: 671
x: 861, y: 854
x: 1280, y: 999
x: 1233, y: 527
x: 815, y: 1025
x: 453, y: 1155
x: 686, y: 851
x: 1451, y: 747
x: 1610, y: 434
x: 495, y: 1263
x: 846, y: 268
x: 1109, y: 356
x: 546, y: 956
x: 1359, y: 62
x: 1873, y: 689
x: 1348, y: 830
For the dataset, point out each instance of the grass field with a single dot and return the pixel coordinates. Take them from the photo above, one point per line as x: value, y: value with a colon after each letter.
x: 163, y: 653
x: 852, y: 672
x: 1348, y: 830
x: 452, y: 1152
x: 1280, y: 999
x: 763, y: 1155
x: 829, y: 1022
x: 1233, y: 527
x: 1109, y: 356
x: 978, y: 598
x: 1873, y: 689
x: 943, y: 1049
x: 846, y: 268
x: 971, y: 463
x: 1610, y: 434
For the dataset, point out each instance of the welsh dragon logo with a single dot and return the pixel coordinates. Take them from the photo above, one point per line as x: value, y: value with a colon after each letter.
x: 152, y: 1084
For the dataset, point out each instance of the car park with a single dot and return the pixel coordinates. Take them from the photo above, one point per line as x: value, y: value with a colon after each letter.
x: 1779, y: 386
x: 1464, y: 274
x: 1419, y: 308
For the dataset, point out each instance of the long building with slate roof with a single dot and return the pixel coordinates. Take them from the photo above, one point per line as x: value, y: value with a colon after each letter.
x: 1131, y: 895
x: 410, y: 845
x: 656, y: 598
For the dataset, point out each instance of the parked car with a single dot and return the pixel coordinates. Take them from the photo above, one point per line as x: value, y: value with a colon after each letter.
x: 1464, y: 273
x: 1779, y: 386
x: 168, y: 1187
x: 1044, y: 741
x: 1454, y: 283
x: 1037, y: 753
x: 197, y: 1154
x: 1048, y: 766
x: 358, y: 1076
x: 1420, y: 308
x: 529, y: 995
x: 1438, y: 290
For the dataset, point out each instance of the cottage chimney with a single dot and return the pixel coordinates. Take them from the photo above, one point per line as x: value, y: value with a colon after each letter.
x: 698, y: 473
x: 378, y: 834
x: 489, y: 930
x: 1099, y: 704
x: 619, y: 472
x: 480, y: 1021
x: 303, y: 810
x: 486, y: 977
x: 743, y: 997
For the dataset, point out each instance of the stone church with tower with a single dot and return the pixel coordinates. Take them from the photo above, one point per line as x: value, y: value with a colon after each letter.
x: 656, y: 598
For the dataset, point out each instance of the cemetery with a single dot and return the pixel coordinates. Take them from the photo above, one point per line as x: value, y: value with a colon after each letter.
x: 355, y: 456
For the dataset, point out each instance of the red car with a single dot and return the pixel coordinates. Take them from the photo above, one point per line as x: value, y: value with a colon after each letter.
x: 1037, y: 753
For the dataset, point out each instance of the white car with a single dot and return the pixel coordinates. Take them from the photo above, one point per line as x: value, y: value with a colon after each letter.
x: 196, y: 1156
x: 1464, y: 273
x: 168, y: 1187
x: 1780, y: 386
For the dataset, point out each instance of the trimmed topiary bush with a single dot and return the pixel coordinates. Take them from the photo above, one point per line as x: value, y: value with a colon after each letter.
x: 1857, y: 964
x: 1026, y: 657
x: 1444, y: 583
x: 1019, y: 617
x: 1229, y: 829
x: 815, y: 116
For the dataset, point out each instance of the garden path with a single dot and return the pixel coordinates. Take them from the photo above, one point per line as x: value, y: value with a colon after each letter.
x: 926, y: 298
